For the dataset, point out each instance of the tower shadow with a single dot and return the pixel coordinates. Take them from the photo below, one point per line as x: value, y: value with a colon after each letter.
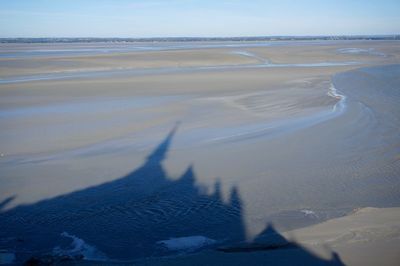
x: 127, y: 218
x: 277, y: 250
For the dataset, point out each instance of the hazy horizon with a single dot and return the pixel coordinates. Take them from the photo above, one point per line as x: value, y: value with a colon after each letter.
x: 207, y: 37
x: 203, y: 19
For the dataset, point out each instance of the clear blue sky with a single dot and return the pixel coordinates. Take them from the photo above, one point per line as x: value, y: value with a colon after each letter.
x: 157, y: 18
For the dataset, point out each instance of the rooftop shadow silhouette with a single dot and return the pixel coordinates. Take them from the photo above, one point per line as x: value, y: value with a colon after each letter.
x: 270, y: 240
x: 125, y: 218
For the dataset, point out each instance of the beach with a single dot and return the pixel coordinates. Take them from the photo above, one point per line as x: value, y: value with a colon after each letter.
x: 125, y: 147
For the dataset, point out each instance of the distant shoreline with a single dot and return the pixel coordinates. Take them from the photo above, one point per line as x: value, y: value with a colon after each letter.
x: 199, y: 39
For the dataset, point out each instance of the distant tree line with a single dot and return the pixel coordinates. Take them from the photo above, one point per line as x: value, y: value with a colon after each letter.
x: 199, y: 39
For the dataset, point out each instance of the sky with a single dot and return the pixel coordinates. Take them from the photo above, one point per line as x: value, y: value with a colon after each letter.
x: 197, y: 18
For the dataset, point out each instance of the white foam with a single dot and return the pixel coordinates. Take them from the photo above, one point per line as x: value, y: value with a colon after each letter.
x: 186, y: 243
x: 79, y: 247
x: 251, y: 55
x: 370, y: 51
x: 340, y: 105
x: 308, y: 212
x: 353, y: 50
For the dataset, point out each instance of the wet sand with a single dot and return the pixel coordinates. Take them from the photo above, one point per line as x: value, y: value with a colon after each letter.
x: 289, y: 134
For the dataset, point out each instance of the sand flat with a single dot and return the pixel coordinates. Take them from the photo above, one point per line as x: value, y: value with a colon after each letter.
x: 370, y: 236
x: 197, y: 150
x: 181, y: 58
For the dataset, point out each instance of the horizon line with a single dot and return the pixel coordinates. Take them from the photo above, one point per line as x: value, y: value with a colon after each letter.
x: 243, y: 38
x: 232, y: 36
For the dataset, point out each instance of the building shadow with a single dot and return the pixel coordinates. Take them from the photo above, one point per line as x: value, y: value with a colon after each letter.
x: 278, y: 250
x: 127, y: 218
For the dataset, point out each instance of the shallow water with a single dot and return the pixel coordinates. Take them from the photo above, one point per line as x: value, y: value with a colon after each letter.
x: 95, y: 106
x: 223, y: 133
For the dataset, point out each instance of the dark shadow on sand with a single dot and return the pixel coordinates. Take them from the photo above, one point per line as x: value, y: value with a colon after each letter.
x: 278, y: 251
x: 125, y: 218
